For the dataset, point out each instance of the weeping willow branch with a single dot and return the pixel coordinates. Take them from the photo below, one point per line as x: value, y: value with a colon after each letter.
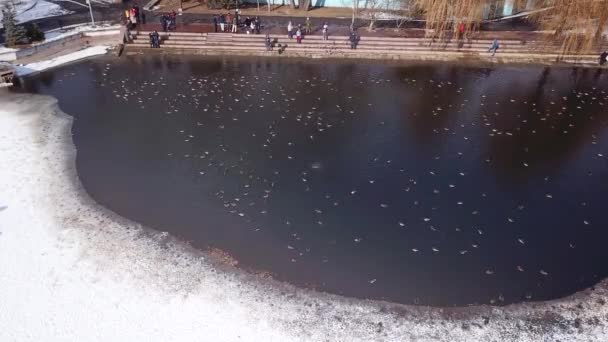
x: 443, y: 16
x: 577, y: 25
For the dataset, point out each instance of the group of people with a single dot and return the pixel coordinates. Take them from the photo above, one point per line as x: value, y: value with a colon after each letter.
x: 169, y: 21
x: 132, y: 15
x: 154, y: 39
x: 299, y: 31
x: 228, y: 22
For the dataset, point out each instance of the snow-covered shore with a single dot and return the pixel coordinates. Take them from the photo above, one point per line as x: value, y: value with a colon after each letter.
x: 28, y: 10
x: 71, y: 270
x: 31, y: 68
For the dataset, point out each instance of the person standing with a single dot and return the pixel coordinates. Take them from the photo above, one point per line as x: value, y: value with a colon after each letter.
x: 156, y: 39
x: 299, y: 36
x: 133, y: 16
x: 494, y: 47
x: 163, y: 22
x: 268, y: 42
x: 222, y: 22
x: 289, y: 30
x: 215, y: 23
x: 603, y: 57
x: 325, y: 31
x: 354, y: 39
x: 137, y: 13
x: 235, y: 24
x: 252, y: 26
x: 308, y: 26
x: 228, y: 20
x: 258, y: 25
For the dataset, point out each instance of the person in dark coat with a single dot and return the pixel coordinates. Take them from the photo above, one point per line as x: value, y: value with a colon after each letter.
x: 354, y: 39
x: 172, y: 21
x: 163, y: 22
x: 137, y: 13
x: 258, y: 25
x: 152, y: 42
x: 268, y: 43
x: 603, y: 57
x: 156, y: 39
x: 215, y: 23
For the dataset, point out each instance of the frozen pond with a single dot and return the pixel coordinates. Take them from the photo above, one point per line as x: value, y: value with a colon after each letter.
x: 428, y: 184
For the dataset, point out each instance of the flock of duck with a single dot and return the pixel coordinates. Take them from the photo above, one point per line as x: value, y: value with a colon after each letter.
x: 447, y: 166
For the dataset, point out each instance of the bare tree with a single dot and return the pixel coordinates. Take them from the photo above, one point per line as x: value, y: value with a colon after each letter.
x: 372, y: 10
x: 577, y: 25
x: 355, y: 13
x: 442, y: 15
x: 306, y: 5
x: 292, y: 4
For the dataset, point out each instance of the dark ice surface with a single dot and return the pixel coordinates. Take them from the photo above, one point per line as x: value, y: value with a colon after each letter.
x: 430, y: 184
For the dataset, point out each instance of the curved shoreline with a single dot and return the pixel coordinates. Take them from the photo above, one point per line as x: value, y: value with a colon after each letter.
x: 160, y: 288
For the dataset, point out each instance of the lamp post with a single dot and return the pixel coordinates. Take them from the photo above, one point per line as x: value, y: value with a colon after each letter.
x: 88, y: 4
x: 91, y: 11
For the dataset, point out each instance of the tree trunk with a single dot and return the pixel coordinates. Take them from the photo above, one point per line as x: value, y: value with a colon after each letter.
x: 355, y: 10
x: 258, y: 5
x: 292, y: 4
x: 306, y: 5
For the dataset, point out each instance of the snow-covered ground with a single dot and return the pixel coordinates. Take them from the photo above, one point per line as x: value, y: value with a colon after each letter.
x: 71, y: 270
x: 28, y: 10
x: 73, y: 29
x: 27, y: 69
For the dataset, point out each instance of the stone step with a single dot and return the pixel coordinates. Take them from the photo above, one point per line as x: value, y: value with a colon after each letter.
x: 246, y: 37
x: 325, y: 47
x: 362, y: 44
x: 367, y: 40
x: 300, y: 48
x: 164, y: 38
x: 589, y: 59
x: 380, y: 45
x: 346, y: 45
x: 223, y: 36
x: 174, y: 34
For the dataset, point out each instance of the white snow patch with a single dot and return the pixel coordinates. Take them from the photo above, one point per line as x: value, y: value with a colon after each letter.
x: 28, y: 10
x: 67, y: 31
x: 71, y: 270
x: 27, y: 69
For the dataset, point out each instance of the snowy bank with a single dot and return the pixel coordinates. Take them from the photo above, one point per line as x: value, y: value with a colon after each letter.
x: 23, y: 70
x: 71, y: 270
x: 86, y: 29
x: 28, y: 10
